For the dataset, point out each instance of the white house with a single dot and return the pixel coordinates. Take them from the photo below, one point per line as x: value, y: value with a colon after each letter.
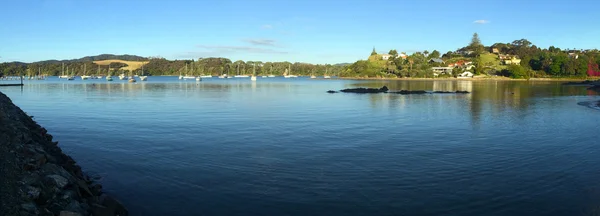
x: 466, y: 75
x: 442, y: 70
x: 386, y: 56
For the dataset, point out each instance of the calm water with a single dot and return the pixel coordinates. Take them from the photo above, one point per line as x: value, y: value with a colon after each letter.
x: 285, y: 147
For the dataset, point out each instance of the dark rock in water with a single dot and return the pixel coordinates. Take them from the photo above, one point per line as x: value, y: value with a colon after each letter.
x: 410, y: 92
x: 450, y: 92
x: 331, y: 91
x: 595, y: 88
x: 365, y: 90
x: 586, y: 82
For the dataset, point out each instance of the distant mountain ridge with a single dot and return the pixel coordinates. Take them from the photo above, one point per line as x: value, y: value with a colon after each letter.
x: 100, y: 57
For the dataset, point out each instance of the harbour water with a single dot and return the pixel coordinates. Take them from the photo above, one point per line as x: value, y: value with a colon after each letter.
x: 285, y: 147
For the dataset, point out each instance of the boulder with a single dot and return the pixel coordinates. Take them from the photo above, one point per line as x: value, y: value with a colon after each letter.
x: 405, y: 92
x: 331, y: 91
x: 32, y: 193
x: 30, y: 208
x: 56, y: 180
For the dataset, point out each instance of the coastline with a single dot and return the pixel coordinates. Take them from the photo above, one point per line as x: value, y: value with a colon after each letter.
x: 37, y: 178
x: 469, y: 79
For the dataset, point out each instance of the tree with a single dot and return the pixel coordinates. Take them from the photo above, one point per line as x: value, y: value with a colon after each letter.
x: 373, y: 52
x: 434, y: 54
x: 516, y: 72
x: 426, y: 53
x: 476, y: 45
x: 393, y: 53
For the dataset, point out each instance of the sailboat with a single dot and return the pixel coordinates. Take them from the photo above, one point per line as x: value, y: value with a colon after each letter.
x: 84, y: 77
x: 142, y: 77
x: 122, y: 76
x: 312, y: 75
x: 131, y: 79
x: 326, y: 76
x: 63, y: 76
x: 108, y: 76
x: 289, y: 73
x: 70, y: 77
x: 253, y: 78
x: 186, y: 74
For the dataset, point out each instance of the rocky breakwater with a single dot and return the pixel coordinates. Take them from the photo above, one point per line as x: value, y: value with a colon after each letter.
x: 37, y: 178
x: 385, y: 89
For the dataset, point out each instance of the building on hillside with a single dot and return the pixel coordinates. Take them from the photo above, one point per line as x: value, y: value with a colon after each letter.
x: 386, y: 56
x: 573, y: 55
x: 460, y: 63
x: 436, y: 60
x: 514, y: 60
x: 442, y: 70
x: 403, y: 55
x: 495, y: 51
x: 465, y: 52
x: 504, y: 56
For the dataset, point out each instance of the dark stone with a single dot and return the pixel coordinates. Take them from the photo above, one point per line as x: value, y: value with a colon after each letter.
x: 405, y: 92
x: 83, y: 185
x: 331, y: 91
x: 32, y: 193
x: 30, y: 208
x: 113, y: 206
x: 450, y: 92
x: 366, y: 90
x: 56, y: 180
x: 69, y: 213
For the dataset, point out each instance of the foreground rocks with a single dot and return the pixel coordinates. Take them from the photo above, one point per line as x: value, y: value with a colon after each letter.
x: 385, y: 89
x: 585, y: 82
x: 37, y: 178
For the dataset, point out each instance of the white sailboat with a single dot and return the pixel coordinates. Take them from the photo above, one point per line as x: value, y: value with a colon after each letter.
x: 186, y: 74
x: 108, y: 76
x: 289, y: 73
x: 142, y: 77
x: 63, y: 76
x: 131, y: 79
x: 84, y: 76
x: 253, y: 78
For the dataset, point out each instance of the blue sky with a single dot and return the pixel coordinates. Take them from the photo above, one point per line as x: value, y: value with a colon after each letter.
x: 315, y: 31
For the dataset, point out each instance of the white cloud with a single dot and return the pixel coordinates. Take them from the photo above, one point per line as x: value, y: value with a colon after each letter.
x: 261, y: 42
x: 481, y: 21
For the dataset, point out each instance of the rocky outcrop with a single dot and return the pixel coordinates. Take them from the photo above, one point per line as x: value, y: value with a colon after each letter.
x: 37, y: 178
x: 385, y: 89
x: 366, y: 90
x: 585, y: 82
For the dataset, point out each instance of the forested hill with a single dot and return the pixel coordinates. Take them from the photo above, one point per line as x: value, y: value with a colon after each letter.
x: 160, y: 66
x: 98, y: 58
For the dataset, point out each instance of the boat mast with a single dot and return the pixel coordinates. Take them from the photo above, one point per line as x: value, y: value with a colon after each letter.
x: 63, y: 69
x: 84, y: 69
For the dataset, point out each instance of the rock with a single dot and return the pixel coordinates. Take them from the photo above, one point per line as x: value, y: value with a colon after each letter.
x: 450, y: 92
x: 32, y: 193
x: 57, y: 180
x: 57, y: 170
x: 405, y: 92
x: 113, y: 206
x: 365, y: 90
x: 96, y: 189
x: 32, y: 179
x: 75, y: 206
x: 69, y: 195
x: 331, y: 91
x: 83, y: 185
x: 69, y: 213
x: 30, y: 208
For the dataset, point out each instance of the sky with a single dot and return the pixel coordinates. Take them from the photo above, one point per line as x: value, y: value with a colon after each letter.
x: 312, y: 31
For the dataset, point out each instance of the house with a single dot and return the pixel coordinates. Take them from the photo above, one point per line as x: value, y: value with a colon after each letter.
x: 442, y: 70
x: 436, y: 60
x: 466, y: 75
x: 460, y: 63
x: 495, y: 51
x: 403, y: 55
x: 503, y: 56
x: 386, y: 56
x: 513, y: 60
x: 573, y: 55
x: 465, y: 52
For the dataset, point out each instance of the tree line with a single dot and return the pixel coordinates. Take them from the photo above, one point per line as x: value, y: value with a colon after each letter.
x: 162, y: 66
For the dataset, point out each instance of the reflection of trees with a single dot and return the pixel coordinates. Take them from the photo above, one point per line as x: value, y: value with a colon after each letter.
x: 496, y: 99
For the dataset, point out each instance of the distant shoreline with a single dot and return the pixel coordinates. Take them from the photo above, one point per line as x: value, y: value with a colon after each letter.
x: 470, y: 79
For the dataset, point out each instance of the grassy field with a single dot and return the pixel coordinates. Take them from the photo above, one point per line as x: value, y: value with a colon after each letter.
x: 131, y: 65
x: 492, y: 60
